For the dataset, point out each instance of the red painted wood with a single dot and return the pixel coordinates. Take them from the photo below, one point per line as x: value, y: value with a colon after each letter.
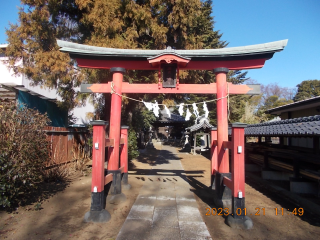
x: 238, y: 171
x: 192, y: 65
x: 108, y: 178
x: 124, y: 150
x: 215, y: 143
x: 109, y: 142
x: 228, y: 182
x: 214, y: 152
x: 115, y: 121
x: 169, y: 58
x: 98, y: 156
x: 228, y: 145
x: 222, y: 122
x: 183, y: 88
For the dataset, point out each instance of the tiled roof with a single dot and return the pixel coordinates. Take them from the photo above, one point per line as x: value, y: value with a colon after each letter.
x: 81, y: 49
x: 175, y: 118
x: 204, y: 124
x: 305, y: 126
x: 6, y: 88
x: 302, y: 103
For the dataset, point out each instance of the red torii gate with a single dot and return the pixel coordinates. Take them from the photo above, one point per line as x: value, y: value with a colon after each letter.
x: 218, y: 60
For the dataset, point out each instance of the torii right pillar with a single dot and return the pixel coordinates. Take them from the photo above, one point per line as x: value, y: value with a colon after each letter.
x: 223, y: 196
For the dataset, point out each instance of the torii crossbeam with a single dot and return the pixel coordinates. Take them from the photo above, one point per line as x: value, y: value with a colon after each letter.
x: 218, y: 60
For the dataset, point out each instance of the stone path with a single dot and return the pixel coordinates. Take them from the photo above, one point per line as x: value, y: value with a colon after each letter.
x: 165, y: 207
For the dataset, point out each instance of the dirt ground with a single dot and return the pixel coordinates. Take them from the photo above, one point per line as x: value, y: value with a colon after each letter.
x: 61, y: 215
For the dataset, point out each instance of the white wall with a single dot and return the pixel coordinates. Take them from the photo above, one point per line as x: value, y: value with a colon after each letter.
x: 42, y: 90
x: 81, y: 112
x: 6, y: 76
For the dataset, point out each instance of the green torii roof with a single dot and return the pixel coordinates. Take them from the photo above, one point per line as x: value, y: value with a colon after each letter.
x: 265, y: 50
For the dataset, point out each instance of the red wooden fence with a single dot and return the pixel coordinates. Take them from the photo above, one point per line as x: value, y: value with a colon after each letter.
x: 68, y: 144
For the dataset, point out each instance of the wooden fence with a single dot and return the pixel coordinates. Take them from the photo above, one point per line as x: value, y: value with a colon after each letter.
x: 68, y: 144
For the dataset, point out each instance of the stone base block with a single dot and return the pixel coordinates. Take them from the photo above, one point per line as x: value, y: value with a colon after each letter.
x: 250, y: 167
x: 117, y: 198
x: 223, y: 203
x: 97, y: 216
x: 274, y: 175
x: 126, y: 186
x: 124, y: 181
x: 304, y: 187
x: 240, y: 223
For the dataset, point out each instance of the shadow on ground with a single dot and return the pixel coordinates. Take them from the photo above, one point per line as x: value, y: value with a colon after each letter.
x: 153, y: 157
x: 42, y: 191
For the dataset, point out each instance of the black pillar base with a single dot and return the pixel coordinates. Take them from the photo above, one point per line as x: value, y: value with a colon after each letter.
x: 238, y: 218
x: 223, y: 197
x: 239, y: 222
x: 98, y: 201
x: 213, y: 182
x: 117, y: 198
x: 238, y: 205
x: 125, y: 183
x: 97, y: 212
x: 115, y: 194
x: 97, y: 216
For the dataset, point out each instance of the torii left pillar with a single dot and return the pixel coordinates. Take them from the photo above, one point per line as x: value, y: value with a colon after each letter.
x: 115, y: 124
x: 97, y: 212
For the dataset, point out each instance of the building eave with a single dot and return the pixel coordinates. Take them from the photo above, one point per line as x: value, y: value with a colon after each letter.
x: 307, y: 103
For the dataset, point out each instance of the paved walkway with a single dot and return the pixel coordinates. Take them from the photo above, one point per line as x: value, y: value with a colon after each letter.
x: 165, y: 207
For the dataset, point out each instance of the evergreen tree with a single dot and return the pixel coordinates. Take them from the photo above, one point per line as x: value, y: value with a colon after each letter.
x: 143, y: 24
x: 307, y: 89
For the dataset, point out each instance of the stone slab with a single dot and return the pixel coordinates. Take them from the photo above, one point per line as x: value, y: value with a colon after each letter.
x: 193, y: 230
x: 166, y: 218
x: 165, y: 204
x: 149, y: 201
x: 160, y: 233
x: 189, y: 213
x: 135, y: 229
x: 141, y: 212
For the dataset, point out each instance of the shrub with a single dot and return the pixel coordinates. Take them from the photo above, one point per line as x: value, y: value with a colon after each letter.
x: 132, y: 145
x: 24, y: 150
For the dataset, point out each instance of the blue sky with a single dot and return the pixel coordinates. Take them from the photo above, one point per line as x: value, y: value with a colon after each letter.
x: 247, y: 22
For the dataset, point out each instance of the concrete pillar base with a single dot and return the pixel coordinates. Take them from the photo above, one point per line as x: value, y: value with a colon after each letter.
x: 117, y: 198
x: 223, y: 197
x: 274, y: 175
x: 125, y: 184
x: 97, y: 216
x: 304, y: 187
x: 239, y: 222
x: 213, y: 182
x: 251, y: 167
